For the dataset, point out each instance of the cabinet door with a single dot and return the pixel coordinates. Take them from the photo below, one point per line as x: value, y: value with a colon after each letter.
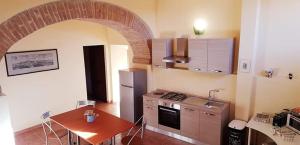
x: 151, y: 115
x: 220, y: 52
x: 189, y: 117
x: 198, y: 55
x: 160, y: 48
x: 210, y: 128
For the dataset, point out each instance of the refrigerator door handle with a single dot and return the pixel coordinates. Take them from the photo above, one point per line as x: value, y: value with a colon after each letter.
x: 126, y: 86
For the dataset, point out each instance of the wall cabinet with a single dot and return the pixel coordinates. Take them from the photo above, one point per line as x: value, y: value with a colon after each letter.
x: 189, y: 117
x: 211, y: 55
x: 198, y: 55
x: 161, y: 48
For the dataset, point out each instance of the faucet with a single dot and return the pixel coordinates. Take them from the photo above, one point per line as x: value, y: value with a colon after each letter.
x: 212, y: 93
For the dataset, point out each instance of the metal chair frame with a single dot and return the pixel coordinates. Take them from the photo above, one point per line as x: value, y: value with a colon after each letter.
x: 85, y: 103
x: 46, y: 123
x: 140, y: 129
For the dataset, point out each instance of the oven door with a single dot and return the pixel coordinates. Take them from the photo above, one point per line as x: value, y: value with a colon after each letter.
x: 293, y: 123
x: 169, y: 117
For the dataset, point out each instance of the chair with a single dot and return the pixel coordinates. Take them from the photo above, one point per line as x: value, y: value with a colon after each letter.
x: 85, y: 103
x: 82, y: 103
x: 134, y: 139
x: 48, y: 130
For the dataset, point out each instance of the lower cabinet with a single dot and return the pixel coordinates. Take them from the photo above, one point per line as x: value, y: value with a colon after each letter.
x: 189, y: 118
x: 150, y: 111
x: 151, y: 115
x: 205, y: 125
x: 210, y: 128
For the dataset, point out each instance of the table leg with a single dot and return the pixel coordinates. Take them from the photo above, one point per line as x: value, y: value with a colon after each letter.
x: 249, y: 136
x: 69, y: 137
x: 113, y: 141
x: 78, y: 140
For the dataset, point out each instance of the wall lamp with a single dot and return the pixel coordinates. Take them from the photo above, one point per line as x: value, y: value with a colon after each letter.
x: 200, y: 26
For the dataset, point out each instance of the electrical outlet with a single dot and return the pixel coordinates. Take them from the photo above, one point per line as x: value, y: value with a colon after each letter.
x: 245, y: 66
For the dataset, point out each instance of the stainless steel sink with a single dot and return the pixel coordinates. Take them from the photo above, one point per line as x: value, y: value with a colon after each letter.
x: 211, y: 104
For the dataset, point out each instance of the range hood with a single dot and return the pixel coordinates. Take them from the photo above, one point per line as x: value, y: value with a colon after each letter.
x: 181, y: 55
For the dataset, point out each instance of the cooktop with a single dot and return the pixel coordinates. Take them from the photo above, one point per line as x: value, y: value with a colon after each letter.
x: 174, y: 96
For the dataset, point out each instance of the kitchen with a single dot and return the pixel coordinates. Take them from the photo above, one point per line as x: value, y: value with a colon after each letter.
x: 183, y: 116
x: 259, y: 36
x: 193, y: 118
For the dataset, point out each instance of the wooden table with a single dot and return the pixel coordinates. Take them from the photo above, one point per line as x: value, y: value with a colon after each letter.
x: 105, y: 126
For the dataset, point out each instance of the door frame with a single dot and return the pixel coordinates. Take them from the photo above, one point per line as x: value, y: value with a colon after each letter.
x: 109, y: 98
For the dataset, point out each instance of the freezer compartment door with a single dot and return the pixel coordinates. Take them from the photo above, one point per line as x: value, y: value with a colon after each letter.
x: 127, y: 103
x: 126, y: 78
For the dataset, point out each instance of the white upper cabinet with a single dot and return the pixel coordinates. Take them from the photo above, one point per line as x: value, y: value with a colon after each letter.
x: 220, y: 53
x: 211, y: 55
x: 197, y: 49
x: 161, y: 48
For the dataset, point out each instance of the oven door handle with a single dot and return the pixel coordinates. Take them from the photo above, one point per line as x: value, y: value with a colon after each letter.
x: 168, y: 110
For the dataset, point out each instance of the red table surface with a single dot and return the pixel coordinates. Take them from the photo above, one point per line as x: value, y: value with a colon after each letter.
x: 104, y: 127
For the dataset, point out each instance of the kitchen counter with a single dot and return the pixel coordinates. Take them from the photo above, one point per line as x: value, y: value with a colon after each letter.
x: 197, y: 101
x: 191, y: 117
x: 156, y: 96
x: 267, y: 129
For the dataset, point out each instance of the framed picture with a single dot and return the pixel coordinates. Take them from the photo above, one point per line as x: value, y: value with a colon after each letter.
x: 26, y: 62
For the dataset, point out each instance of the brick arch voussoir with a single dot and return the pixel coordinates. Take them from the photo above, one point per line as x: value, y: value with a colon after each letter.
x: 134, y: 29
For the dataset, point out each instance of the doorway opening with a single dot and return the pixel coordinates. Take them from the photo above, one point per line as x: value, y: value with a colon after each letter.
x: 94, y: 60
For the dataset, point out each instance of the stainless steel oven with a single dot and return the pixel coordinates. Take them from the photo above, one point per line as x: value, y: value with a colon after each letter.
x: 293, y: 123
x: 169, y: 114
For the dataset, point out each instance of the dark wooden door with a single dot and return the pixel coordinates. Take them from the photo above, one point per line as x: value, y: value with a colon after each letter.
x: 94, y: 58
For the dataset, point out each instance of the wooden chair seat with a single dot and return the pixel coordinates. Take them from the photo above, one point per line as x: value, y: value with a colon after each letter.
x: 60, y: 133
x: 135, y: 141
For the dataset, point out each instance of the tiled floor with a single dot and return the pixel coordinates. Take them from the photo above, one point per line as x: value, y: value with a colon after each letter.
x: 36, y: 136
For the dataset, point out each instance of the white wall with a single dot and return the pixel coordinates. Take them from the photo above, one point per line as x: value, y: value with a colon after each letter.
x: 120, y: 61
x: 278, y: 42
x: 56, y: 90
x: 176, y: 17
x: 6, y: 131
x: 269, y: 39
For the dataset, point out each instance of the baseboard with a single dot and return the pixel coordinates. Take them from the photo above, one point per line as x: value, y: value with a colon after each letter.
x: 175, y: 135
x: 28, y: 129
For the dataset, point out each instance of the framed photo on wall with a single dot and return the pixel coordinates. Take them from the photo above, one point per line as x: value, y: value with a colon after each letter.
x: 25, y: 62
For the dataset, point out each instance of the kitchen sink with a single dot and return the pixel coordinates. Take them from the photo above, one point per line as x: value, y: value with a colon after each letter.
x: 211, y: 104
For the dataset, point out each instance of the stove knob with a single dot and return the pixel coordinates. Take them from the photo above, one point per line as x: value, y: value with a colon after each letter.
x: 172, y: 105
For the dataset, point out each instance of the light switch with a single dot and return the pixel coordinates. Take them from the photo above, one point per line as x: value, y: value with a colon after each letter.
x: 245, y: 66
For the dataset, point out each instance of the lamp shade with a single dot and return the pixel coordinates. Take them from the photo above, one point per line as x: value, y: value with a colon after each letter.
x: 200, y: 26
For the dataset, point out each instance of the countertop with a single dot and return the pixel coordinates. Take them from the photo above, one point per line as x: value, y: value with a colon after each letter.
x: 197, y: 101
x: 267, y: 129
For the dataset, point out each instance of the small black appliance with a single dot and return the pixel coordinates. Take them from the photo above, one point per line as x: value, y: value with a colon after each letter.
x: 280, y: 119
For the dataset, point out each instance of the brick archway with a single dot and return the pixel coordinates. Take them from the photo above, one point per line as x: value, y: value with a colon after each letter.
x: 133, y: 28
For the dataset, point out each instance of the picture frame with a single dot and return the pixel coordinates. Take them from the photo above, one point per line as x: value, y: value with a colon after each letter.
x: 26, y: 62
